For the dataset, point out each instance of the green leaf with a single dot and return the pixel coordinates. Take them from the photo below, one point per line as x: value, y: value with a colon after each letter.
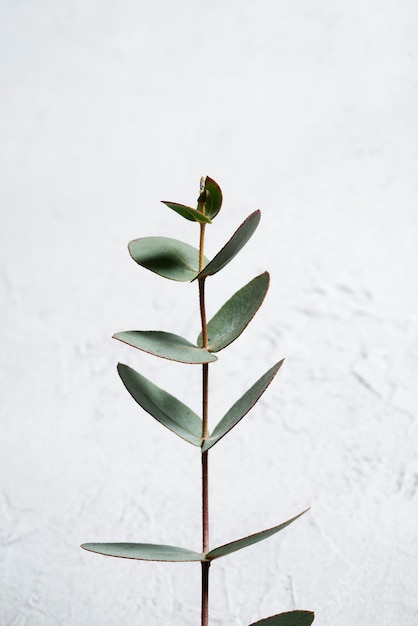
x: 144, y: 551
x: 167, y: 257
x: 248, y: 541
x: 190, y: 214
x: 241, y: 407
x: 291, y: 618
x: 214, y: 198
x: 233, y: 246
x: 236, y: 314
x: 164, y: 407
x: 165, y: 345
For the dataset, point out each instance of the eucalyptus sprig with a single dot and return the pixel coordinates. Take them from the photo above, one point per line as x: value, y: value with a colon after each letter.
x: 182, y: 262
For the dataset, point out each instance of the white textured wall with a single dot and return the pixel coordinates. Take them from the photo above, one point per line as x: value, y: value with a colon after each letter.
x: 307, y: 110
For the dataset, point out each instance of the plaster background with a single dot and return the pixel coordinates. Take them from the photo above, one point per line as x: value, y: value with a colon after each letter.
x: 306, y: 110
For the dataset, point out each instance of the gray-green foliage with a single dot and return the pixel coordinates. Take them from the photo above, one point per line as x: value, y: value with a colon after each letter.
x: 180, y: 261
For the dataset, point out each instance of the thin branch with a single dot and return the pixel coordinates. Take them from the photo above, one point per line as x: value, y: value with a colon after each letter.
x: 202, y: 247
x: 205, y: 593
x: 205, y: 434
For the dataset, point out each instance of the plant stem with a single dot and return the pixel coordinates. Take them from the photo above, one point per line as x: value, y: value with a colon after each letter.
x: 202, y: 246
x: 205, y: 593
x: 205, y: 434
x: 203, y: 318
x: 205, y: 502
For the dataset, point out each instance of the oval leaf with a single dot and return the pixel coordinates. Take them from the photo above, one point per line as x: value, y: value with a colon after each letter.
x: 291, y: 618
x: 248, y: 541
x: 233, y: 246
x: 190, y: 214
x: 167, y: 257
x: 241, y: 407
x: 236, y: 314
x: 165, y: 345
x: 144, y: 551
x: 164, y: 407
x: 214, y: 198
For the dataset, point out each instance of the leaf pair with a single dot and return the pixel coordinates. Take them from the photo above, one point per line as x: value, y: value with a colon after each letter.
x: 178, y: 417
x: 179, y: 261
x: 157, y: 552
x: 226, y: 326
x: 208, y: 204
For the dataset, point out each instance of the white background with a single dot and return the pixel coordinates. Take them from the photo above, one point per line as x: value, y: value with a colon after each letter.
x: 307, y: 110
